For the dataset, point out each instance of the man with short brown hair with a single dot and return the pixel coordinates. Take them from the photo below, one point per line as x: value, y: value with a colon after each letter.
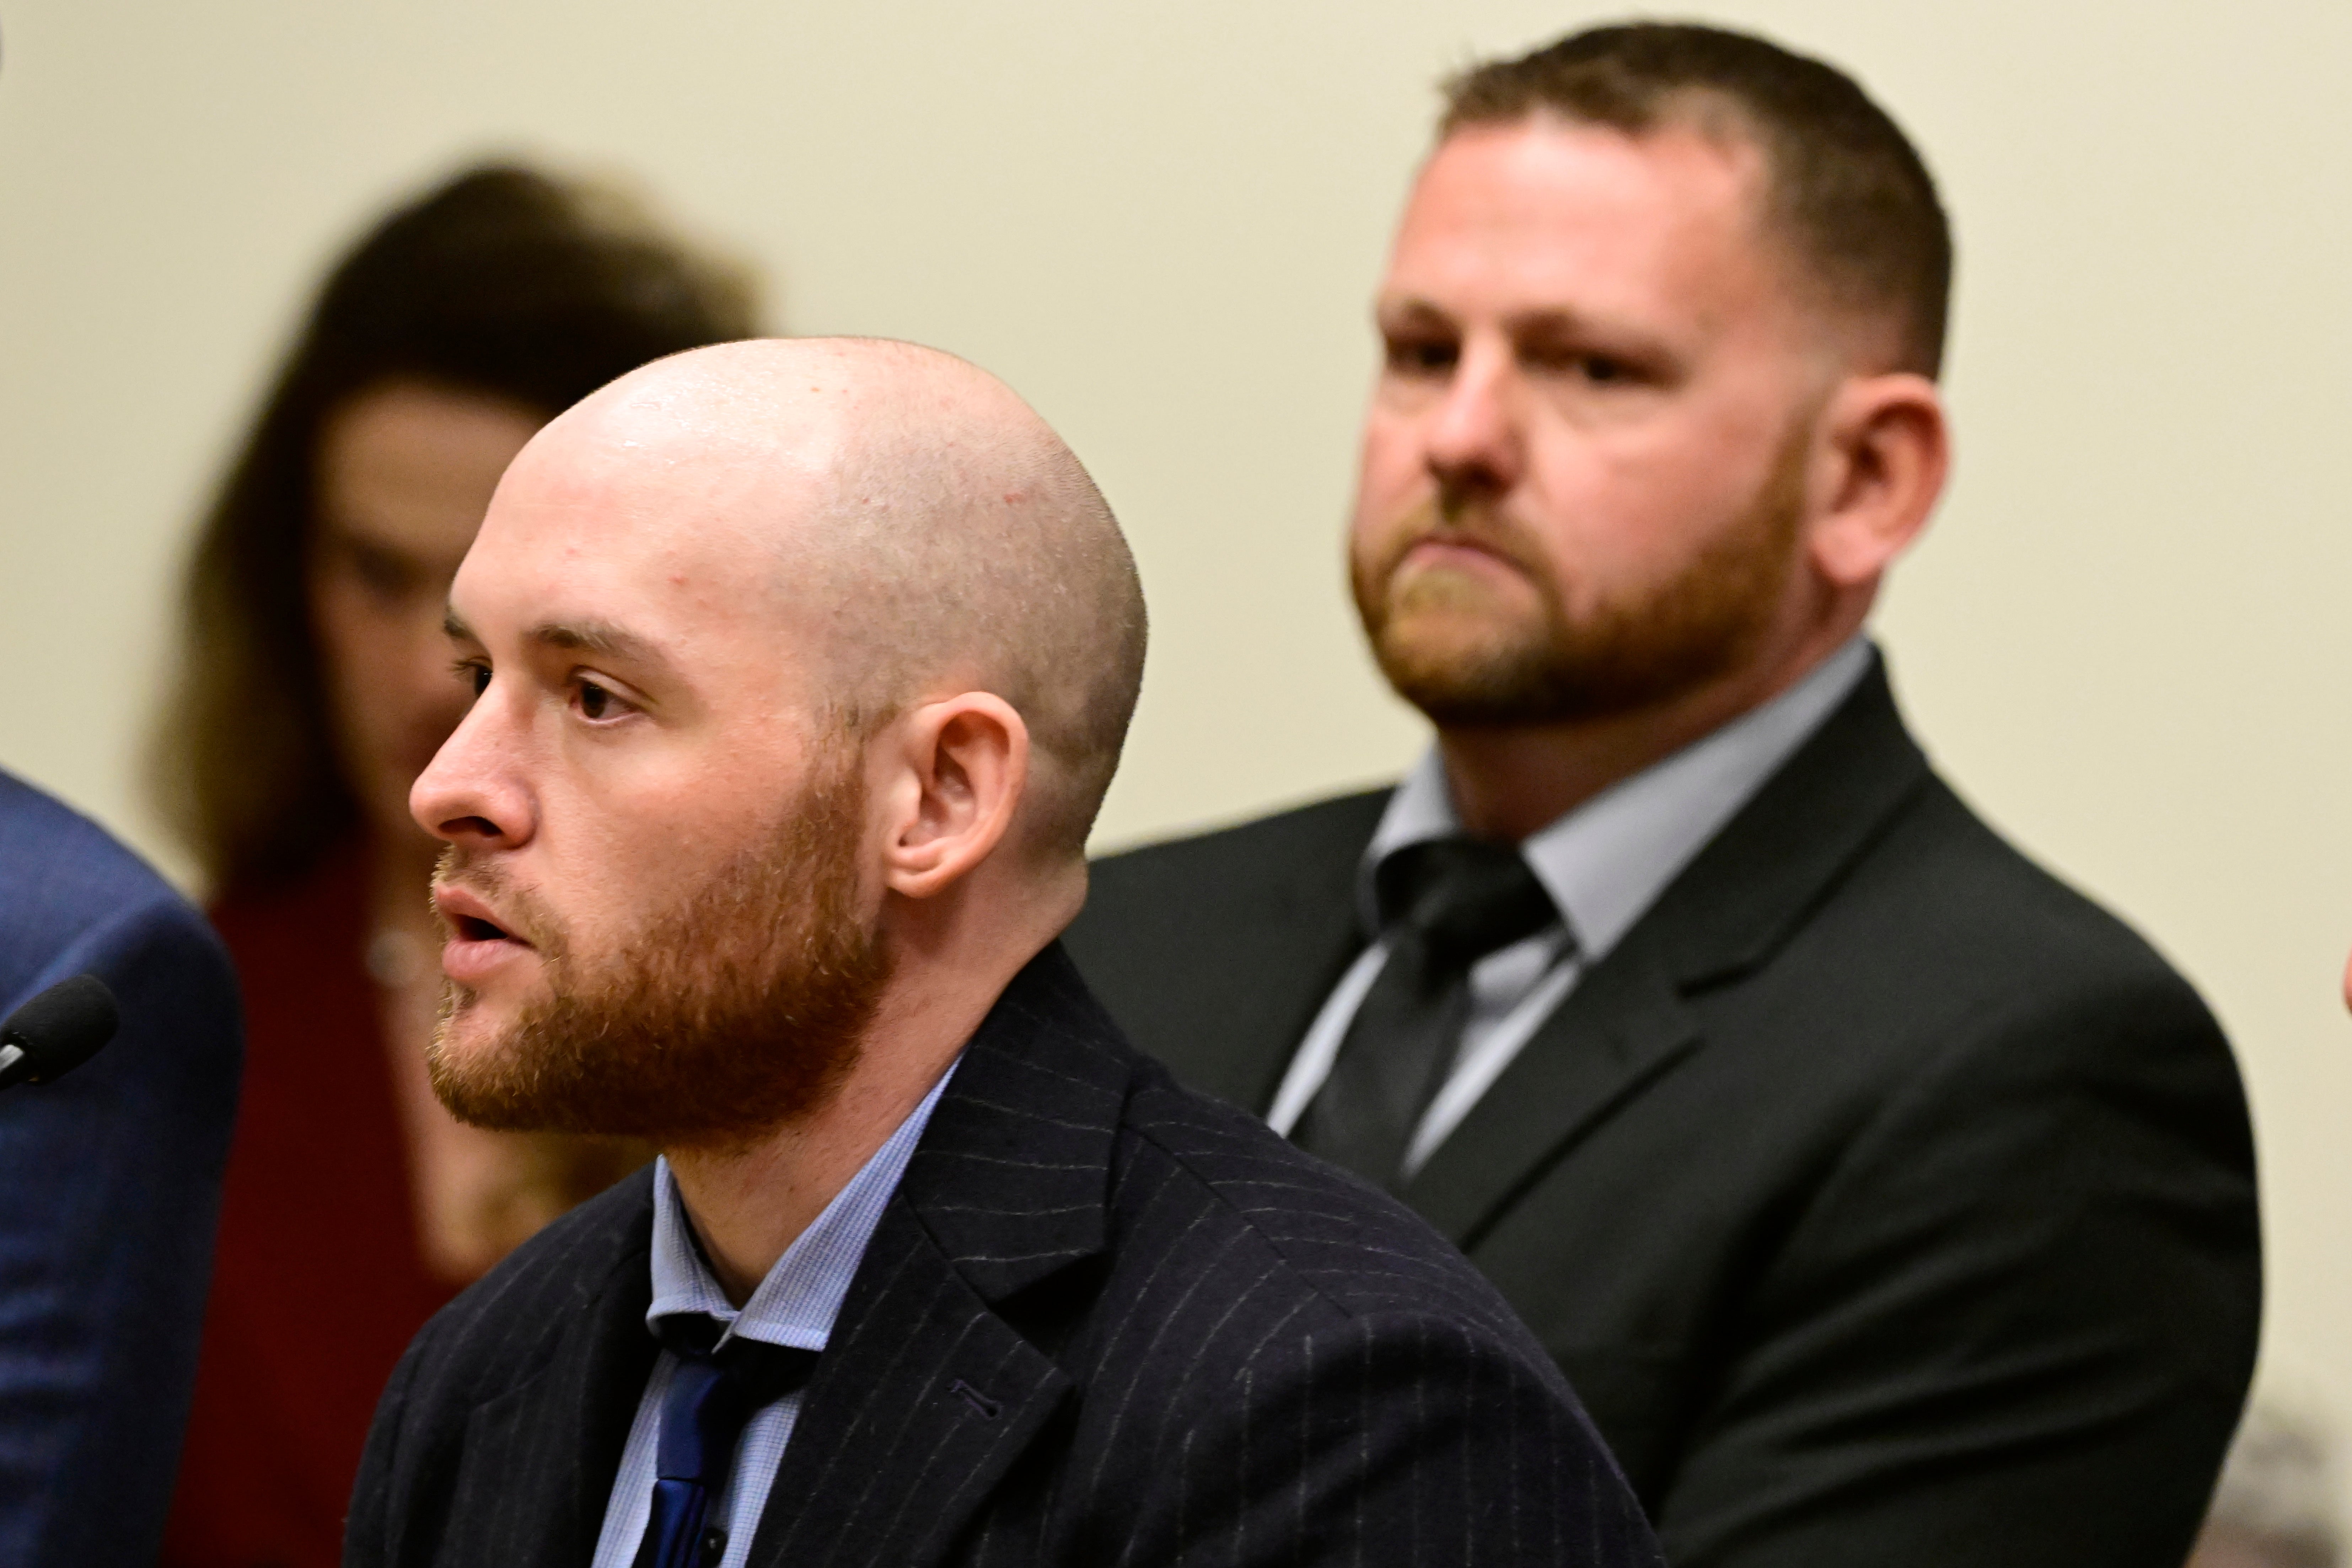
x: 1885, y: 1200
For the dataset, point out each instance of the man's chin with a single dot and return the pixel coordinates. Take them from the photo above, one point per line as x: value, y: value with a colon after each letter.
x: 1440, y: 653
x: 473, y: 1034
x: 1467, y: 678
x: 465, y: 1067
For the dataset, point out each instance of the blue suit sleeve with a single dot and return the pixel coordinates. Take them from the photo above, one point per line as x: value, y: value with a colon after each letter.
x: 106, y: 1240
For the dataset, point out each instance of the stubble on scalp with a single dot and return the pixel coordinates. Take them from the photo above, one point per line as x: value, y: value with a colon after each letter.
x: 1620, y: 656
x: 738, y: 1011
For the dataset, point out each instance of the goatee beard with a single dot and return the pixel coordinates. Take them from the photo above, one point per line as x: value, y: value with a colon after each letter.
x: 1620, y: 656
x: 715, y: 1023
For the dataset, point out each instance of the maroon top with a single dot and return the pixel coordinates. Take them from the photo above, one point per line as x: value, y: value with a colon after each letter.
x: 317, y: 1284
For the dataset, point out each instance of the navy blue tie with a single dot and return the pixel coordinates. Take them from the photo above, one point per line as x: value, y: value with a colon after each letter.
x: 712, y: 1394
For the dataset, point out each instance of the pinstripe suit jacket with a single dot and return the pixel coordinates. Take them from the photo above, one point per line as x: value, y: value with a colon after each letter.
x: 1103, y: 1321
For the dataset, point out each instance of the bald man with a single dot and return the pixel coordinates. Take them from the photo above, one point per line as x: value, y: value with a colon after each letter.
x: 800, y: 670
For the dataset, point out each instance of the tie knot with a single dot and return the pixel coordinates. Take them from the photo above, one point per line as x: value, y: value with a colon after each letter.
x: 1462, y: 897
x: 743, y: 1373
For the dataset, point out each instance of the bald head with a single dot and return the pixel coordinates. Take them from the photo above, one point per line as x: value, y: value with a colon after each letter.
x: 911, y: 515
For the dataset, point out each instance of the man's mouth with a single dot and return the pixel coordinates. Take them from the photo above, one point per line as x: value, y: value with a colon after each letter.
x: 1441, y: 546
x: 1454, y: 554
x: 470, y: 928
x: 469, y: 915
x: 479, y: 942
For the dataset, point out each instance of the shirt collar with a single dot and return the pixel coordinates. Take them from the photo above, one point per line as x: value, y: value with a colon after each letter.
x: 802, y: 1295
x: 1606, y: 862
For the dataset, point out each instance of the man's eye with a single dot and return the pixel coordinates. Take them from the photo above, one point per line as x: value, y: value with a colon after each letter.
x: 476, y: 675
x: 1422, y: 356
x: 593, y: 699
x: 1599, y: 370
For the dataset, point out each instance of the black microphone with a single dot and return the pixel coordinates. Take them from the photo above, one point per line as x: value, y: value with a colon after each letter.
x: 56, y: 1031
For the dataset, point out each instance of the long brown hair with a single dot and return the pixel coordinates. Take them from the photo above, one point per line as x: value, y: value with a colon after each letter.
x: 503, y: 281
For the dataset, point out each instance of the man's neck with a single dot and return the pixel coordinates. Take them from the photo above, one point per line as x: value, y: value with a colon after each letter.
x: 1509, y: 783
x: 749, y: 1204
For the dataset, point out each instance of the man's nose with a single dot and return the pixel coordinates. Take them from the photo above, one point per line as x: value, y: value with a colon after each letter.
x: 472, y: 792
x: 1475, y: 443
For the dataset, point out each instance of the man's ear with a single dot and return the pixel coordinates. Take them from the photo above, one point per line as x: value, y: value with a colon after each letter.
x: 1888, y: 448
x: 961, y: 767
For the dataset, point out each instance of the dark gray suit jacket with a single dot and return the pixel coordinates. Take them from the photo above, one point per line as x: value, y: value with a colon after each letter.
x: 1885, y: 1201
x: 1103, y: 1321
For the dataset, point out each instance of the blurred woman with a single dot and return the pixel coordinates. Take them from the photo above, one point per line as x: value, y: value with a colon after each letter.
x: 315, y: 685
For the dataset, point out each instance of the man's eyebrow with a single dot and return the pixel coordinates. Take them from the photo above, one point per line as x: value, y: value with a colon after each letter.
x: 1625, y: 337
x: 580, y: 637
x: 1410, y: 311
x: 595, y: 637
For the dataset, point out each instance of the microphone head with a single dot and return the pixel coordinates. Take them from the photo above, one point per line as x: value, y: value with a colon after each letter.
x: 62, y: 1027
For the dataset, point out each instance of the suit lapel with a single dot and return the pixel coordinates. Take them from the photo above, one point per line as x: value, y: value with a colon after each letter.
x: 930, y: 1392
x: 1627, y: 1021
x: 1291, y: 988
x: 923, y: 1399
x: 539, y: 1461
x: 1282, y: 968
x: 1621, y: 1027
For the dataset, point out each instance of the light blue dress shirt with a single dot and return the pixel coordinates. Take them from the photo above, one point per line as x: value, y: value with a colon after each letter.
x: 1604, y: 864
x: 794, y: 1305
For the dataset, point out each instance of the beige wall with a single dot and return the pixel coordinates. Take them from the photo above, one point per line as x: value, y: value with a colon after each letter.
x: 2123, y: 640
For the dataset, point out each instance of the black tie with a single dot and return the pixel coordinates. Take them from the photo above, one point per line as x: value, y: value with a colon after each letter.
x: 712, y: 1396
x: 1444, y: 906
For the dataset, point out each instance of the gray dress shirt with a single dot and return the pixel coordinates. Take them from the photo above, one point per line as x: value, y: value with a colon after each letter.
x: 1603, y: 863
x: 794, y: 1305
